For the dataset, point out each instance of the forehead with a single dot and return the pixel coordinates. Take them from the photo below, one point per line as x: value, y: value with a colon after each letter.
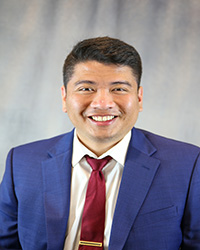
x: 94, y: 69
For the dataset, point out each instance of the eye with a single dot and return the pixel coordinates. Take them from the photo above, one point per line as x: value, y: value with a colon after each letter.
x: 119, y: 90
x: 84, y: 89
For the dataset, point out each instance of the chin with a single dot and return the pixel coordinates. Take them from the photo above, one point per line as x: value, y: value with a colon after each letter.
x: 105, y: 138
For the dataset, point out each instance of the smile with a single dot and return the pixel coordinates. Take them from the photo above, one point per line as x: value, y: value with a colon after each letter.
x: 103, y: 118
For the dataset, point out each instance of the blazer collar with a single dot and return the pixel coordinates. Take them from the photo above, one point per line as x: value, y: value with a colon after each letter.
x: 139, y: 171
x: 140, y: 142
x: 63, y: 144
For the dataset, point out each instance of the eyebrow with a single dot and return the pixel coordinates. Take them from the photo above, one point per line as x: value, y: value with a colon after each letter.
x: 112, y: 83
x: 84, y: 81
x: 121, y: 82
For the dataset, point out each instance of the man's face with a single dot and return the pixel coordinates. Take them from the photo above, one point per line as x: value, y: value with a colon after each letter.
x: 103, y: 103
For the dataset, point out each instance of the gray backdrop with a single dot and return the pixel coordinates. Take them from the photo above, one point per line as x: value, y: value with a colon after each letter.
x: 36, y: 36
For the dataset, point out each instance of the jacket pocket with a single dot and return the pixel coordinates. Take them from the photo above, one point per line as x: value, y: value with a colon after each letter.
x: 156, y: 216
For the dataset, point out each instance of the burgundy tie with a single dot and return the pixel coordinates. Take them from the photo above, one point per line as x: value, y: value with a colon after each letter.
x: 93, y: 219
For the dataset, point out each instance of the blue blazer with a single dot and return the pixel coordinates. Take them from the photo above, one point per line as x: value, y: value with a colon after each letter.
x: 158, y: 206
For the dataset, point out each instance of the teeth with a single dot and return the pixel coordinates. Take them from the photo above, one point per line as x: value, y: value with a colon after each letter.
x: 103, y: 118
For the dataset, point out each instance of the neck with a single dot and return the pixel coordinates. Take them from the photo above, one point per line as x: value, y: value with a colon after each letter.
x: 98, y: 147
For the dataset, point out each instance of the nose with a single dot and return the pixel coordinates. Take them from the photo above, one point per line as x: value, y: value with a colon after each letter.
x: 102, y: 100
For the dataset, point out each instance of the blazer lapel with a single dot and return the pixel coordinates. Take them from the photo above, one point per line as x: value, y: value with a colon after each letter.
x: 139, y: 171
x: 57, y: 178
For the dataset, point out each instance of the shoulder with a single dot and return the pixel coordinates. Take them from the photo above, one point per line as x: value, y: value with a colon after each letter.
x: 40, y: 148
x: 170, y: 146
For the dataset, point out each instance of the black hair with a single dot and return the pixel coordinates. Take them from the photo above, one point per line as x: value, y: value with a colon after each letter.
x: 105, y: 50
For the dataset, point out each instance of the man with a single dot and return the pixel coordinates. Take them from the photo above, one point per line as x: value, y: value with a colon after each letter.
x: 152, y: 183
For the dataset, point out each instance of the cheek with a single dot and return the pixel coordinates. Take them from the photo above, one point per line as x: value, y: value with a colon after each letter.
x: 130, y: 105
x: 75, y: 104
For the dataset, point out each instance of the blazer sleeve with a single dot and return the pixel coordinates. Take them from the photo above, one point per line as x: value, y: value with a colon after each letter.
x: 191, y: 219
x: 8, y: 209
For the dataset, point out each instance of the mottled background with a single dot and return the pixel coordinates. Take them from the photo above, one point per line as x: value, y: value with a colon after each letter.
x: 36, y: 35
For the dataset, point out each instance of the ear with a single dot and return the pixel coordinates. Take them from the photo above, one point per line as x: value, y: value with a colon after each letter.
x: 64, y: 96
x: 140, y: 98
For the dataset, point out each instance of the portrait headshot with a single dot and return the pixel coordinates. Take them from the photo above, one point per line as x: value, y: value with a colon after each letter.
x: 83, y: 169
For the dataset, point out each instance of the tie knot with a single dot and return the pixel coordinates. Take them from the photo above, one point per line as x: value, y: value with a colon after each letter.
x: 98, y: 164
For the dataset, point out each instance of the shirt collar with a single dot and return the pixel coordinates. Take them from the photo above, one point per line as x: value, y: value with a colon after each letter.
x: 79, y: 150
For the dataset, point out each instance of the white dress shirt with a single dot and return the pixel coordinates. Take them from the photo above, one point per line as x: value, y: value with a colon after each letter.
x: 81, y: 171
